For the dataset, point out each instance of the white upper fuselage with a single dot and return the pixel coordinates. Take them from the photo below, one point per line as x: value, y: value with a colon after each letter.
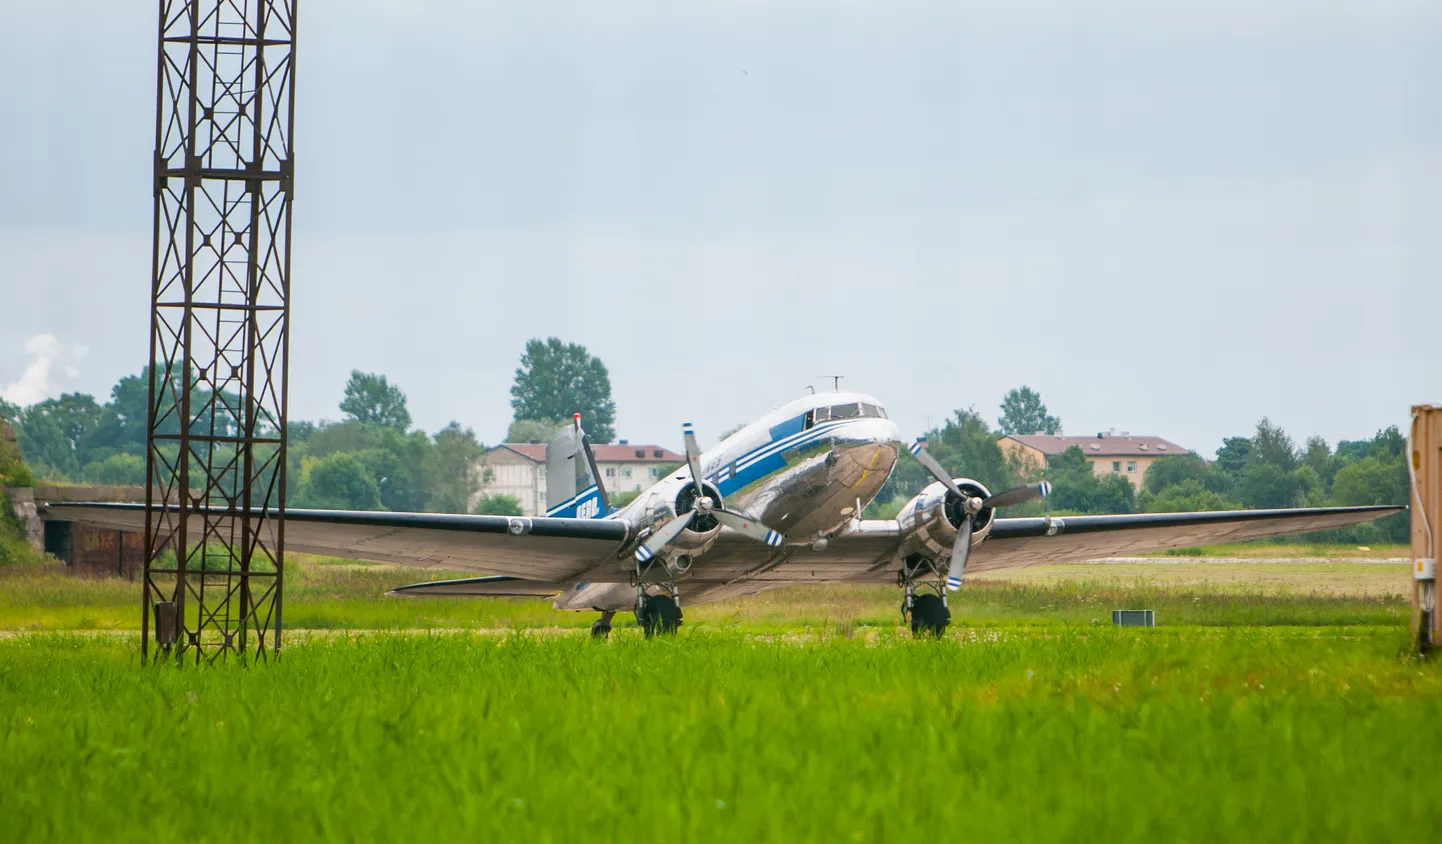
x: 805, y: 468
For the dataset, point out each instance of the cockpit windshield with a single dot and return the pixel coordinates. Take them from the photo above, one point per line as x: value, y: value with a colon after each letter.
x: 851, y: 410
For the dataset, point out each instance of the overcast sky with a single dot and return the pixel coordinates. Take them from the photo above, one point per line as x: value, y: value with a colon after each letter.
x: 1169, y: 218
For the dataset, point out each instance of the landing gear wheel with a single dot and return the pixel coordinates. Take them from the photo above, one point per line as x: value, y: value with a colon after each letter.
x: 929, y: 616
x: 658, y: 614
x: 602, y: 628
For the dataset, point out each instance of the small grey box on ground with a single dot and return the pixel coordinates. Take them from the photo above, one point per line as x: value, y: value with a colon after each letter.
x: 1134, y: 618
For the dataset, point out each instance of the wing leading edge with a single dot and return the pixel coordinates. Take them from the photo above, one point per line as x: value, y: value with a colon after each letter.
x: 539, y: 549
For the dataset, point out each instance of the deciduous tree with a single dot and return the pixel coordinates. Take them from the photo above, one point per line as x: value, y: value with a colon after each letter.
x: 340, y: 482
x: 371, y: 398
x: 535, y: 430
x: 556, y: 380
x: 452, y: 475
x: 1188, y: 496
x: 1023, y: 413
x: 1174, y: 469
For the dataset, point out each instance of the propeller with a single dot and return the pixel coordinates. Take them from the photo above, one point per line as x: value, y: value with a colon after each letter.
x: 971, y: 505
x: 703, y: 506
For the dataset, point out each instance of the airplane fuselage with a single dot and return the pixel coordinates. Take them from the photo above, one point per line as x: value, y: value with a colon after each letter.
x: 806, y: 469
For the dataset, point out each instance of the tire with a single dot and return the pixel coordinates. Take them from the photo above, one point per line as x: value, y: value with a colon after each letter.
x: 600, y: 630
x: 929, y: 616
x: 659, y: 615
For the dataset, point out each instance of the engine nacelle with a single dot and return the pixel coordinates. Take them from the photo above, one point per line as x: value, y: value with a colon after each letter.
x: 929, y: 521
x: 674, y: 496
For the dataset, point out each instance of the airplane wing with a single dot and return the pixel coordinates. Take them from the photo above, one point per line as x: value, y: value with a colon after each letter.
x: 538, y: 556
x: 866, y: 554
x: 532, y: 548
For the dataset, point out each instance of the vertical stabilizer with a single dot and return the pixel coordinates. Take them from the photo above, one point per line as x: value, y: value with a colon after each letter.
x: 573, y: 488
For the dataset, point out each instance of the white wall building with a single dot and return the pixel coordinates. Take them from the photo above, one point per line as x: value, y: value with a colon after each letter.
x: 519, y: 470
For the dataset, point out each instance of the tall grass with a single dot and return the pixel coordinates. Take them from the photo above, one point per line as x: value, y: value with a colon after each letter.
x: 1097, y: 734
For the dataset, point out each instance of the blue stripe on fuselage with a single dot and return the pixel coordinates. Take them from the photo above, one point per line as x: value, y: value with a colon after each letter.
x: 767, y: 458
x: 788, y: 428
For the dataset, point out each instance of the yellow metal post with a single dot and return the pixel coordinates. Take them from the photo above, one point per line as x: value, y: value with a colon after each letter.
x: 1425, y: 463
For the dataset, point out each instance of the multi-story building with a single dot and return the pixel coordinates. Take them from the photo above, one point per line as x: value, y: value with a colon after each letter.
x: 519, y: 470
x: 1109, y: 452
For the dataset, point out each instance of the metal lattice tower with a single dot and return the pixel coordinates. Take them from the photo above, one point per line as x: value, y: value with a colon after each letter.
x: 219, y: 338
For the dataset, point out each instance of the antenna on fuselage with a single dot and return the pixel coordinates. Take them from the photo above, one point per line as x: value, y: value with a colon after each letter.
x: 810, y: 389
x: 835, y: 382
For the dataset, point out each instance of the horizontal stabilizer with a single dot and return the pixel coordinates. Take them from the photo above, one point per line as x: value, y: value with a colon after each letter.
x: 472, y: 587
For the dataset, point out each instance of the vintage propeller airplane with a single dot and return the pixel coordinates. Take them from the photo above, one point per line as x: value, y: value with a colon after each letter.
x: 777, y: 503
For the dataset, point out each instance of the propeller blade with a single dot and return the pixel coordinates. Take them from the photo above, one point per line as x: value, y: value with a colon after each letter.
x: 657, y: 541
x: 748, y: 527
x: 693, y: 455
x: 959, y: 552
x: 918, y: 450
x: 1019, y: 495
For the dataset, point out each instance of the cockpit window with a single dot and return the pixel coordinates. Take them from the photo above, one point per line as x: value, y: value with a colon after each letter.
x: 843, y: 411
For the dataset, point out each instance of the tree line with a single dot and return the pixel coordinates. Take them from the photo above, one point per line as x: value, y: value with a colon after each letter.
x: 373, y: 458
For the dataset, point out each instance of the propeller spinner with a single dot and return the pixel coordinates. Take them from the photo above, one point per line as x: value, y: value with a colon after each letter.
x: 971, y: 505
x: 703, y: 505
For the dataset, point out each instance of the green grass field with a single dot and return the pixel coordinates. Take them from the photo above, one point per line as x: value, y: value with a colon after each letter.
x: 1275, y: 702
x: 338, y: 595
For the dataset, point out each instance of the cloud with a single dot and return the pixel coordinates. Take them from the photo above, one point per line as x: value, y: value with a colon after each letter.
x: 50, y: 362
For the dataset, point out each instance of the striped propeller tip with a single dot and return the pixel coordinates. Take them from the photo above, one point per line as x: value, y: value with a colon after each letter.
x: 773, y: 538
x: 1045, y: 488
x: 953, y: 584
x: 643, y: 554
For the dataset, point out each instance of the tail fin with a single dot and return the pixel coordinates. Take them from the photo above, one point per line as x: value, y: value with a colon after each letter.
x: 573, y: 483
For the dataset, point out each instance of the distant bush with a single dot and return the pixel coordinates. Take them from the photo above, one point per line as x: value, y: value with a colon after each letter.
x: 498, y: 505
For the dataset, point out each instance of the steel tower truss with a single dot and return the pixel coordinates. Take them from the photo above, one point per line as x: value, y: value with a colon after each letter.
x: 219, y: 336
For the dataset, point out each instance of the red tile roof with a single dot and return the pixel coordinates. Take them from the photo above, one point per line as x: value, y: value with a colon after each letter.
x: 1101, y: 445
x: 608, y: 453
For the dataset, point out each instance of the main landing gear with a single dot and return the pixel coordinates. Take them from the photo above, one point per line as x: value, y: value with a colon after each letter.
x: 925, y: 602
x: 658, y: 598
x: 602, y: 628
x: 658, y: 614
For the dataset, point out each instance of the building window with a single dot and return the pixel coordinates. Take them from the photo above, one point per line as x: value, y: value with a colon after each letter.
x: 641, y: 453
x: 1116, y: 465
x: 1131, y: 465
x: 626, y: 473
x: 653, y: 471
x: 610, y: 471
x: 657, y: 453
